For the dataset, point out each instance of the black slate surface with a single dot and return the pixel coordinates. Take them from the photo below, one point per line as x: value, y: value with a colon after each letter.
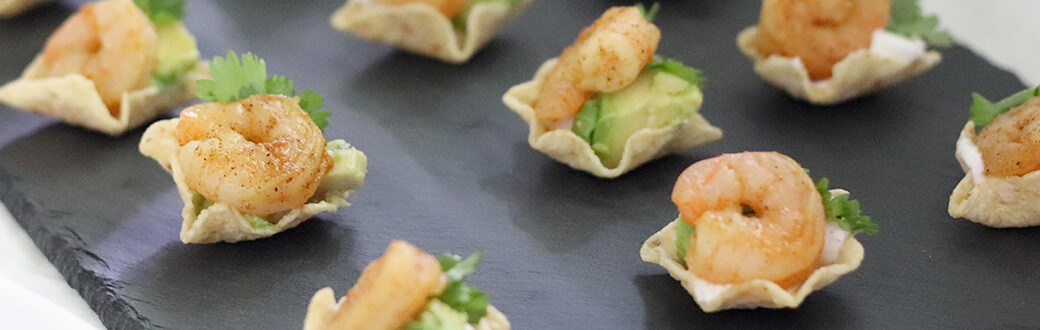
x: 450, y: 169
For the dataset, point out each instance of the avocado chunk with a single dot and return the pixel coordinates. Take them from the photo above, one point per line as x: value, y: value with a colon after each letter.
x: 657, y: 98
x: 347, y: 173
x: 438, y: 316
x: 177, y: 53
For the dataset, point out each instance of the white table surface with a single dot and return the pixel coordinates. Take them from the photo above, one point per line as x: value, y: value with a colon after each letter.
x: 33, y: 295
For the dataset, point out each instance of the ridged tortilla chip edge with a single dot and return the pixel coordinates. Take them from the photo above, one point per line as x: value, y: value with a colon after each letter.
x: 858, y: 74
x: 220, y: 222
x: 660, y: 249
x: 421, y: 29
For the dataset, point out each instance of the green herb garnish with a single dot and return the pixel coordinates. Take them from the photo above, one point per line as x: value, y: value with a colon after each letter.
x: 844, y: 212
x: 162, y: 11
x: 235, y: 80
x: 460, y: 295
x: 983, y: 111
x: 906, y: 19
x: 684, y: 232
x: 649, y: 14
x: 678, y: 69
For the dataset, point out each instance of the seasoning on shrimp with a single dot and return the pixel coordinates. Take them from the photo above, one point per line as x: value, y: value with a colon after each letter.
x: 111, y: 66
x: 407, y: 288
x: 607, y: 56
x: 253, y: 162
x: 755, y: 215
x: 819, y: 32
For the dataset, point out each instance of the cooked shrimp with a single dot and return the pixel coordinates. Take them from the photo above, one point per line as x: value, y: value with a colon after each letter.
x: 820, y: 32
x: 392, y: 290
x: 111, y: 42
x: 449, y: 8
x: 1010, y: 145
x: 756, y: 215
x: 606, y: 57
x: 260, y: 155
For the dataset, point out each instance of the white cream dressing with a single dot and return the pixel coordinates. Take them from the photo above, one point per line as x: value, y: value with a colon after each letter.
x: 834, y: 238
x: 969, y: 153
x: 891, y: 45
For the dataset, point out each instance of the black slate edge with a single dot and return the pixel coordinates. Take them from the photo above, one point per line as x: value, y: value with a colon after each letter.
x: 68, y: 253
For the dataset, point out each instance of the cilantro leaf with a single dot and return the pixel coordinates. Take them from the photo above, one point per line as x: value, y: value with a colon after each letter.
x: 682, y: 239
x: 906, y: 19
x: 586, y: 118
x: 280, y: 86
x: 983, y: 111
x: 844, y: 212
x: 460, y: 295
x: 649, y: 14
x: 235, y: 79
x: 162, y: 12
x: 677, y: 69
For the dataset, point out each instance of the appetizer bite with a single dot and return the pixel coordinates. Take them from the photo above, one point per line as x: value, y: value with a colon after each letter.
x: 407, y: 288
x: 607, y: 105
x: 754, y: 231
x: 253, y: 162
x: 11, y: 8
x: 448, y: 30
x: 1001, y: 185
x: 830, y: 51
x: 112, y: 66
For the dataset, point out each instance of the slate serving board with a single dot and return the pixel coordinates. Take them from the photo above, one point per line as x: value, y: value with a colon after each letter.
x: 450, y: 170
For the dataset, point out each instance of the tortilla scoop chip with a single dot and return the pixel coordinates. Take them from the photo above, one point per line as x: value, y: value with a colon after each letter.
x: 568, y: 148
x: 860, y: 73
x: 75, y: 100
x: 220, y: 222
x: 323, y: 307
x: 661, y: 249
x: 999, y: 202
x: 11, y: 8
x: 421, y: 29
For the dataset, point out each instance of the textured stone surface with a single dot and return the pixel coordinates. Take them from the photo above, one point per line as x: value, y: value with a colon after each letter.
x: 451, y: 170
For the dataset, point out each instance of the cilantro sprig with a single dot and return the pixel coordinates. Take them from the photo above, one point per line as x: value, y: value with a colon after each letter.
x: 651, y: 13
x: 459, y: 294
x: 983, y: 111
x: 906, y: 19
x: 235, y: 79
x: 844, y: 212
x: 162, y: 11
x: 677, y: 69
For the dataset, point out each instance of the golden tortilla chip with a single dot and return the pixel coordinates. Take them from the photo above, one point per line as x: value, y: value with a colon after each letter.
x: 11, y: 8
x: 420, y: 28
x: 74, y: 99
x: 323, y: 307
x: 993, y: 201
x: 568, y: 148
x: 221, y: 223
x: 661, y: 249
x: 861, y: 72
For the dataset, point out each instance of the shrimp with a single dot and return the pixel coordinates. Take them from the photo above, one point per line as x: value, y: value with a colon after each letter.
x: 756, y: 215
x: 1010, y: 145
x: 819, y: 32
x: 449, y: 8
x: 392, y: 290
x: 260, y: 155
x: 111, y: 42
x: 606, y: 57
